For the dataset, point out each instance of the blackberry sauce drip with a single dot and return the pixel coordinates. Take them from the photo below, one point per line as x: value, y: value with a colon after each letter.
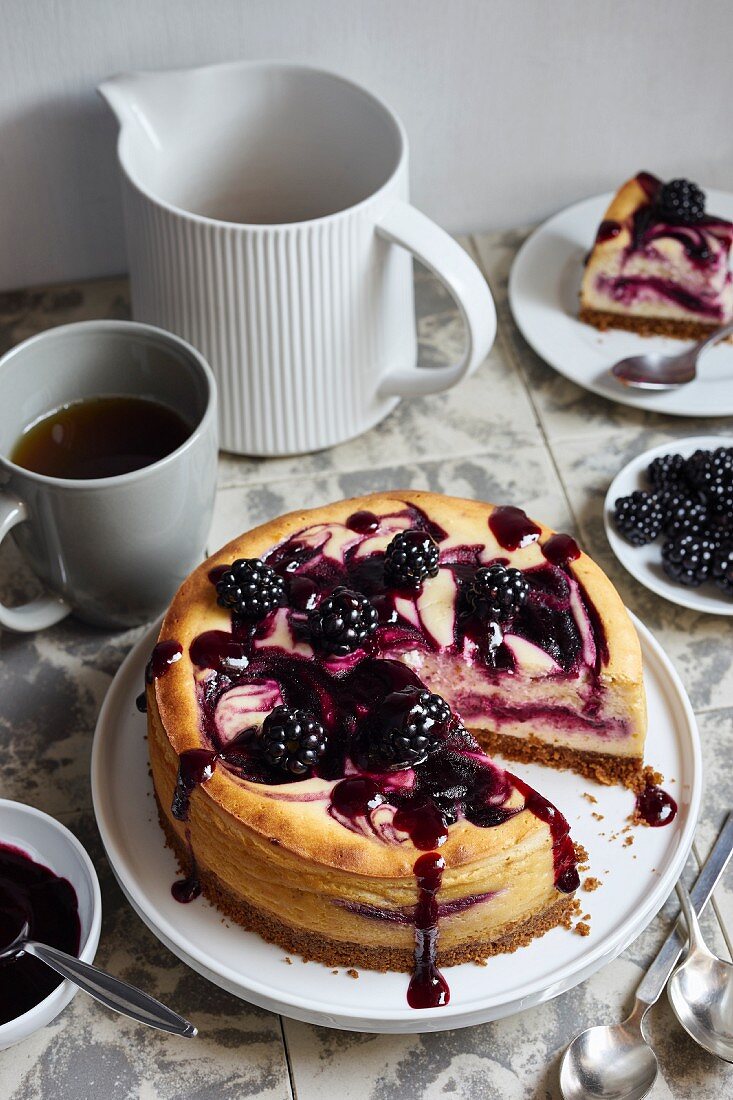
x: 428, y: 988
x: 607, y: 230
x: 512, y: 528
x: 655, y: 806
x: 187, y: 889
x: 560, y: 550
x: 33, y: 893
x: 163, y: 656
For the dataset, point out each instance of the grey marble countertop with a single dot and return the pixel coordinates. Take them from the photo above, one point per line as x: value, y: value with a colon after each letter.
x: 514, y: 432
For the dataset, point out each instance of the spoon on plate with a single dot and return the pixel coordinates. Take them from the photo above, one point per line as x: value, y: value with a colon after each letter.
x: 615, y: 1061
x: 701, y: 990
x: 112, y: 992
x: 655, y: 371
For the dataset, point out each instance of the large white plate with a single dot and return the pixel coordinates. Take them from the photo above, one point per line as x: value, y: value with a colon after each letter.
x: 636, y: 879
x: 645, y: 562
x: 543, y: 294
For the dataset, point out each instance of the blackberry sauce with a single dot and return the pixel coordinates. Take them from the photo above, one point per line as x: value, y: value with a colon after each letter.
x: 187, y: 889
x: 512, y: 528
x: 33, y: 893
x: 428, y: 988
x: 163, y: 656
x: 655, y: 806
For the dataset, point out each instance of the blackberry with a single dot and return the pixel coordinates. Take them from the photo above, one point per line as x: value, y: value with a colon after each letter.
x: 666, y: 472
x: 292, y: 740
x: 342, y: 622
x: 639, y: 517
x: 721, y: 572
x: 688, y: 559
x: 688, y: 518
x: 681, y: 201
x: 412, y: 724
x: 496, y: 593
x: 250, y: 589
x: 411, y: 557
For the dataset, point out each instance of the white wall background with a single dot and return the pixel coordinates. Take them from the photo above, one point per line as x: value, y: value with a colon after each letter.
x: 513, y: 107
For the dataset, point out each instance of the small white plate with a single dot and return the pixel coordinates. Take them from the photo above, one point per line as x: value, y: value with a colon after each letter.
x: 543, y: 294
x: 645, y: 562
x: 636, y: 878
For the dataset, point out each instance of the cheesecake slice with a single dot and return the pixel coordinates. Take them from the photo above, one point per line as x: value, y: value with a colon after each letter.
x: 322, y: 703
x: 660, y: 263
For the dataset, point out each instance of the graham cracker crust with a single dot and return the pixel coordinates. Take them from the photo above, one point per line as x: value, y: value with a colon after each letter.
x: 603, y: 767
x: 318, y: 948
x: 646, y: 326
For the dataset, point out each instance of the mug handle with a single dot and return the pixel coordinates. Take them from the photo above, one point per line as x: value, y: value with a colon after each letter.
x: 44, y: 610
x: 408, y: 227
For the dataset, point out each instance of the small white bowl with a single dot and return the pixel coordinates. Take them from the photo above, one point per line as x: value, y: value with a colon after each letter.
x: 50, y: 843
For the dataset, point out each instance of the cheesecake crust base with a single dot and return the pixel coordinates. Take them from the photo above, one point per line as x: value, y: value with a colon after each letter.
x: 602, y: 767
x: 317, y: 948
x: 677, y: 328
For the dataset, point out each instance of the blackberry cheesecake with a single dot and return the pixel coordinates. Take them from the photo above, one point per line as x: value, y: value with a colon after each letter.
x: 322, y: 702
x: 660, y: 263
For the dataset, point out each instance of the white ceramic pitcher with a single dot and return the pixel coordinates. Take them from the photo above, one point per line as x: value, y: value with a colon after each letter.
x: 268, y: 224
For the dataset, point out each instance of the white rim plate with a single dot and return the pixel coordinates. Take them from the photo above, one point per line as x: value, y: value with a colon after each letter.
x: 636, y: 878
x: 645, y: 562
x: 544, y: 285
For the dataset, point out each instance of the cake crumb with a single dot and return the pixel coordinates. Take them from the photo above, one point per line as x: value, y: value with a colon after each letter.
x: 592, y: 884
x: 582, y: 929
x: 590, y: 798
x: 597, y: 816
x: 583, y: 867
x: 352, y: 973
x: 586, y: 916
x: 581, y: 855
x: 628, y: 840
x: 334, y: 971
x: 288, y: 960
x: 481, y: 962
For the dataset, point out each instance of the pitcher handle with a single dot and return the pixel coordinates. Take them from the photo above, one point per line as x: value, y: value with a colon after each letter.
x: 44, y: 610
x: 406, y: 226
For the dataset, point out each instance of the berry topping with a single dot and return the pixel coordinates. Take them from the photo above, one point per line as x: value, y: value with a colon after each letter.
x: 292, y: 740
x: 409, y: 726
x: 638, y: 517
x: 721, y: 572
x: 496, y: 593
x: 688, y: 559
x: 250, y: 589
x: 342, y: 622
x: 411, y: 557
x: 681, y: 201
x: 667, y: 472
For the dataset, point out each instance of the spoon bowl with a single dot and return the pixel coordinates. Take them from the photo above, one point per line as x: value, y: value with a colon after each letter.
x: 610, y: 1063
x: 701, y: 991
x: 655, y: 371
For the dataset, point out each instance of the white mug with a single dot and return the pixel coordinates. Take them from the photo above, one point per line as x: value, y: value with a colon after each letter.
x: 268, y: 224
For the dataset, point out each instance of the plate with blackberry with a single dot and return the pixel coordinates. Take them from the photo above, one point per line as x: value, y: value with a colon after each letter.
x: 641, y: 270
x: 669, y: 520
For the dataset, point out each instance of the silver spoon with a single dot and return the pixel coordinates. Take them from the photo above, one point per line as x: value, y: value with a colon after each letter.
x: 615, y: 1061
x: 701, y: 991
x: 112, y: 992
x: 665, y: 372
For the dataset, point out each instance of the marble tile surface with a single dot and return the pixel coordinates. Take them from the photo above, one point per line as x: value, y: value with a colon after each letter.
x: 514, y: 432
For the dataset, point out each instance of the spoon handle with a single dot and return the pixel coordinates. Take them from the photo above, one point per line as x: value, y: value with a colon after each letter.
x: 718, y: 334
x: 658, y: 973
x: 112, y: 992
